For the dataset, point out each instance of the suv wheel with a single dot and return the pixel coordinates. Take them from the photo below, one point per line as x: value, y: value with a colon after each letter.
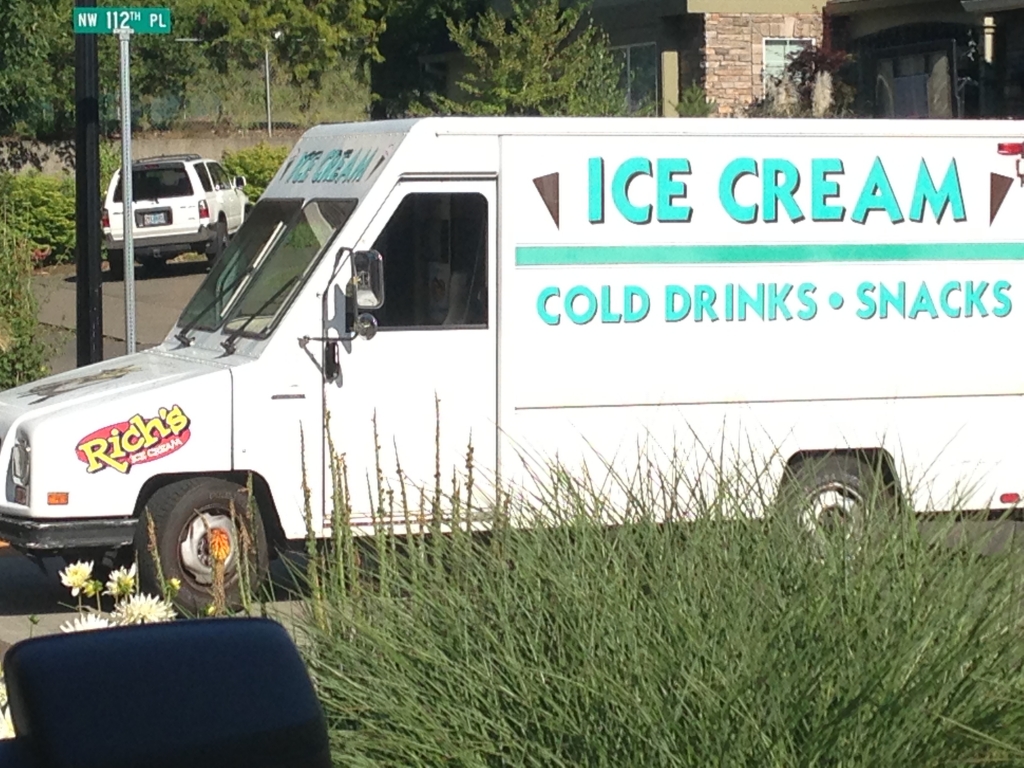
x: 115, y: 264
x: 220, y: 241
x: 153, y: 265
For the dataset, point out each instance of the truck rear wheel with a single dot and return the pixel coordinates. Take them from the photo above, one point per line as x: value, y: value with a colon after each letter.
x: 834, y: 495
x: 193, y: 519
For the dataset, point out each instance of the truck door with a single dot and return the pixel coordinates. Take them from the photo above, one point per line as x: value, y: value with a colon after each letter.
x: 436, y: 336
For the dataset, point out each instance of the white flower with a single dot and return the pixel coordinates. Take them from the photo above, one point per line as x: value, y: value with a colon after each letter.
x: 121, y: 582
x: 76, y: 576
x: 85, y: 622
x: 143, y: 609
x: 6, y: 726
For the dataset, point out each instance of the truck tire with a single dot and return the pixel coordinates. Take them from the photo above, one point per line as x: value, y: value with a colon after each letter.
x: 835, y: 493
x: 115, y: 264
x: 183, y: 513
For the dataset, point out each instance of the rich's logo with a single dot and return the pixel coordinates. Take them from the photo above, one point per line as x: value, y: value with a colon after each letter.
x: 136, y: 441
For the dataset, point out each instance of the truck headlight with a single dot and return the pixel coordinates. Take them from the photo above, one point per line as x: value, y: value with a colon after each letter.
x: 21, y: 462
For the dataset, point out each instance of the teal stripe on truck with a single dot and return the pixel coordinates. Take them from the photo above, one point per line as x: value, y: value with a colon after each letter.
x: 597, y: 255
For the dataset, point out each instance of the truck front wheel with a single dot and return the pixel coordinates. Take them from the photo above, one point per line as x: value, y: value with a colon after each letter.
x: 195, y: 522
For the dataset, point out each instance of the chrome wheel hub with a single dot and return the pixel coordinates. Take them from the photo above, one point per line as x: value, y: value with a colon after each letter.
x: 195, y: 550
x: 831, y: 507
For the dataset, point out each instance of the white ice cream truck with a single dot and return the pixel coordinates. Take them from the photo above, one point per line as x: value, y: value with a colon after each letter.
x: 579, y: 288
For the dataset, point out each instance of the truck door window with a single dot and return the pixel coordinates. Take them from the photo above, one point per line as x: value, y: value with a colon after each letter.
x: 435, y: 262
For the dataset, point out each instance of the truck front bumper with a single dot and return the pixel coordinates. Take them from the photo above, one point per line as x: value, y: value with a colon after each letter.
x: 39, y: 536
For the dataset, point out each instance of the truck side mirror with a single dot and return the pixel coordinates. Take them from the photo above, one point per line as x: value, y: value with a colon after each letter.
x: 239, y: 182
x: 367, y: 285
x: 332, y: 361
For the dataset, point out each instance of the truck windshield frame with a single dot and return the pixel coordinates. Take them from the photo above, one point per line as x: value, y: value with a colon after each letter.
x: 281, y: 242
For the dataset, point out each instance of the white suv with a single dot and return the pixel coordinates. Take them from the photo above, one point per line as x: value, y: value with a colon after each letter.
x: 181, y: 203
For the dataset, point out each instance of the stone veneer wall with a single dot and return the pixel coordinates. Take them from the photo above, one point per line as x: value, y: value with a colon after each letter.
x: 734, y: 53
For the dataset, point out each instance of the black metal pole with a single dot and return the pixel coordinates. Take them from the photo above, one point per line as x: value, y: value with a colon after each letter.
x: 89, y: 285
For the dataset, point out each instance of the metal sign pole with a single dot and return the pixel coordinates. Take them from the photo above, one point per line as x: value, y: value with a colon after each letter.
x: 89, y: 284
x: 124, y: 35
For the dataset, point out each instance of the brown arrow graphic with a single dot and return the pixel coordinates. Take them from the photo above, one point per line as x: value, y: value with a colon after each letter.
x: 548, y: 188
x: 999, y: 186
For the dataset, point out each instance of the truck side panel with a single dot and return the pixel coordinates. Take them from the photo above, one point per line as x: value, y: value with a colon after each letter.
x: 767, y: 295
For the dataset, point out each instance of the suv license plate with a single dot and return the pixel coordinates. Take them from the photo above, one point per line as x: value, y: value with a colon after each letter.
x: 153, y: 219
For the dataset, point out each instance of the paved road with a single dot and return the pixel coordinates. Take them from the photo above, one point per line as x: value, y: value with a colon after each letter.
x: 29, y: 595
x: 33, y: 602
x: 159, y: 300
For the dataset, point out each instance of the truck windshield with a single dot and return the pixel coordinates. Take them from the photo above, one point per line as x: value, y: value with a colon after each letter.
x: 277, y: 246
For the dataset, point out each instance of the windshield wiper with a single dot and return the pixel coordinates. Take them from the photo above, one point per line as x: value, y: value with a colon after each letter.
x: 183, y: 335
x: 229, y: 342
x: 275, y: 236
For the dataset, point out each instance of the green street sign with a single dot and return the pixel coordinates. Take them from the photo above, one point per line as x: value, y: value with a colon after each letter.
x: 100, y: 21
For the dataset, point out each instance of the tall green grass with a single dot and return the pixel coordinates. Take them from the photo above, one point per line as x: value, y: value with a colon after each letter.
x: 727, y: 640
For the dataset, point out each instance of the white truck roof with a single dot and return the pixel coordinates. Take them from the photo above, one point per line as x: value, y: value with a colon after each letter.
x: 660, y: 126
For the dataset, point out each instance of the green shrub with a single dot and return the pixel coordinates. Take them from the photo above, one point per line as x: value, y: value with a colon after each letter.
x: 41, y: 211
x: 726, y: 641
x: 22, y: 354
x: 110, y: 161
x: 694, y: 102
x: 258, y: 164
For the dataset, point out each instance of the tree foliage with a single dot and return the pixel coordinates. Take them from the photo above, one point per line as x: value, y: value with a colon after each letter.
x: 543, y: 59
x: 37, y: 52
x: 306, y: 37
x: 416, y: 30
x: 817, y: 82
x: 694, y: 102
x: 36, y: 66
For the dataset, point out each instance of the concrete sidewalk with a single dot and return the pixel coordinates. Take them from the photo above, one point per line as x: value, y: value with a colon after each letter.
x: 158, y: 303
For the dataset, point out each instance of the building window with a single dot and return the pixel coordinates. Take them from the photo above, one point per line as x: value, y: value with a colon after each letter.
x: 915, y: 85
x: 639, y: 76
x: 778, y: 52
